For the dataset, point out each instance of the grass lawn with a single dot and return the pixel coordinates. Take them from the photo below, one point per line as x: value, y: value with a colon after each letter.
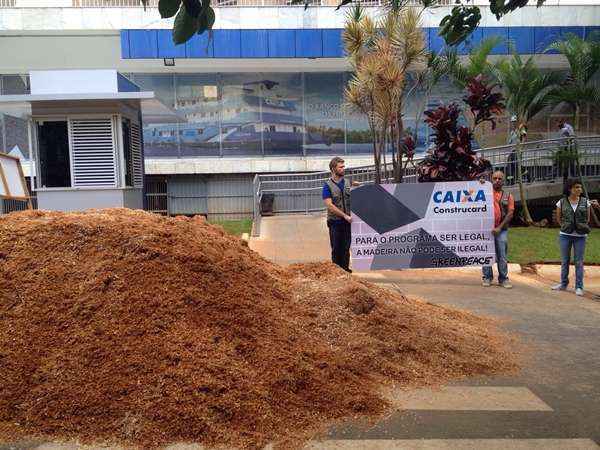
x: 525, y: 244
x: 531, y: 244
x: 236, y: 227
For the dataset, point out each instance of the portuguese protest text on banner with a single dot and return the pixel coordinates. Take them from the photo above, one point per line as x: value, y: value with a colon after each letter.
x: 422, y: 225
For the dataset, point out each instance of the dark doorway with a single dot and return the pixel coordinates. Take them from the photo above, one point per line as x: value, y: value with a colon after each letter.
x: 126, y: 126
x: 53, y: 145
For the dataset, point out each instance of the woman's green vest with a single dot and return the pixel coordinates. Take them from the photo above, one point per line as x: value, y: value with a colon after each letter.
x: 569, y: 218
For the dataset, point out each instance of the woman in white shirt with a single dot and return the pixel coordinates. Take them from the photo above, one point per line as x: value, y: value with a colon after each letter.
x: 573, y: 215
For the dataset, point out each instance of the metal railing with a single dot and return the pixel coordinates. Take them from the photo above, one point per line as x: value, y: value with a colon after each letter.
x: 113, y: 4
x: 17, y: 205
x: 218, y: 3
x: 373, y: 3
x: 157, y: 196
x: 301, y: 193
x: 243, y: 3
x: 252, y: 3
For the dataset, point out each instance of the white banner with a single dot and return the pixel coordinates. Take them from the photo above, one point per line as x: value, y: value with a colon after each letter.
x: 399, y: 226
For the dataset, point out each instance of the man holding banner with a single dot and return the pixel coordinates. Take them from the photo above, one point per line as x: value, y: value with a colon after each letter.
x: 336, y: 195
x: 504, y: 207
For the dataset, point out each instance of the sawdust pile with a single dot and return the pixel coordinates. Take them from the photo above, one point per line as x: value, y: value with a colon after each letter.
x: 121, y: 326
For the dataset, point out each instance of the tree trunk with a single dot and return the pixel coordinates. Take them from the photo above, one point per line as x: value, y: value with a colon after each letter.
x: 384, y: 142
x: 393, y: 151
x: 526, y: 213
x: 376, y: 155
x: 593, y: 214
x: 376, y: 161
x: 399, y: 172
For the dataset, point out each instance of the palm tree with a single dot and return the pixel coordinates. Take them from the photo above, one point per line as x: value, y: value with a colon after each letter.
x: 578, y: 90
x: 527, y: 91
x: 380, y: 53
x: 476, y: 64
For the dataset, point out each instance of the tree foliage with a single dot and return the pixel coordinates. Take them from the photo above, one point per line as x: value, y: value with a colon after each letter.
x: 381, y: 52
x: 463, y: 20
x: 527, y: 89
x: 191, y: 17
x: 453, y: 158
x: 455, y: 27
x: 484, y: 103
x: 579, y: 88
x: 459, y: 24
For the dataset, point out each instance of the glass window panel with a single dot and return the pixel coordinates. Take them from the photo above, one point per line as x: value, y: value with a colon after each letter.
x: 16, y: 136
x: 358, y: 134
x: 281, y: 113
x: 415, y: 103
x: 160, y: 124
x: 241, y: 126
x: 324, y: 115
x: 198, y: 107
x: 15, y: 84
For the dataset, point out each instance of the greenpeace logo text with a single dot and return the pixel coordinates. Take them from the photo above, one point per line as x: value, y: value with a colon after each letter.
x: 460, y: 196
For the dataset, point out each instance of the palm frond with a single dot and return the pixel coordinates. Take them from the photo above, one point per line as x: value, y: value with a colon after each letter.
x: 478, y: 57
x: 394, y: 6
x: 527, y: 89
x: 583, y: 56
x: 409, y: 39
x: 356, y: 12
x: 459, y: 73
x: 353, y: 38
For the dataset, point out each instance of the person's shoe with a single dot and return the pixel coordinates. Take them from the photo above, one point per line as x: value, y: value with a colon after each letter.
x: 579, y: 292
x: 486, y: 283
x: 506, y: 284
x: 348, y: 270
x: 559, y: 287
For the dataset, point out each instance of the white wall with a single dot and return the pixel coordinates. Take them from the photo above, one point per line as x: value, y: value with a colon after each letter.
x: 247, y: 165
x: 22, y: 51
x: 82, y: 199
x: 55, y: 18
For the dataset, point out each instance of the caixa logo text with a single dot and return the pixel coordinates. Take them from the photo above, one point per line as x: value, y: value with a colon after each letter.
x: 460, y: 196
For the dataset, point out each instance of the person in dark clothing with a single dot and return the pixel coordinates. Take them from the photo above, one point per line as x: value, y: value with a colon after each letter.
x: 336, y: 195
x: 567, y: 162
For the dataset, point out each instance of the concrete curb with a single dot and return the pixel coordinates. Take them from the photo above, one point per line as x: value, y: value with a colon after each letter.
x: 593, y: 271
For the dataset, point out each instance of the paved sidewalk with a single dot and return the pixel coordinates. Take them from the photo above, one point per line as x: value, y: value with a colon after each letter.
x: 293, y: 238
x: 553, y: 403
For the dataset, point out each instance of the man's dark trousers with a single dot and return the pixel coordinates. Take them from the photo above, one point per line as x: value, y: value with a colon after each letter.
x: 340, y: 237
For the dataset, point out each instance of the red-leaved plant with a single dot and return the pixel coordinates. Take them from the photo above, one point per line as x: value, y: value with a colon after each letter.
x: 484, y: 103
x: 453, y: 158
x: 408, y: 146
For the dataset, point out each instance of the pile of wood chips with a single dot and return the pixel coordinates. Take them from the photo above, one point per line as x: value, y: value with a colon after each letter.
x: 125, y: 327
